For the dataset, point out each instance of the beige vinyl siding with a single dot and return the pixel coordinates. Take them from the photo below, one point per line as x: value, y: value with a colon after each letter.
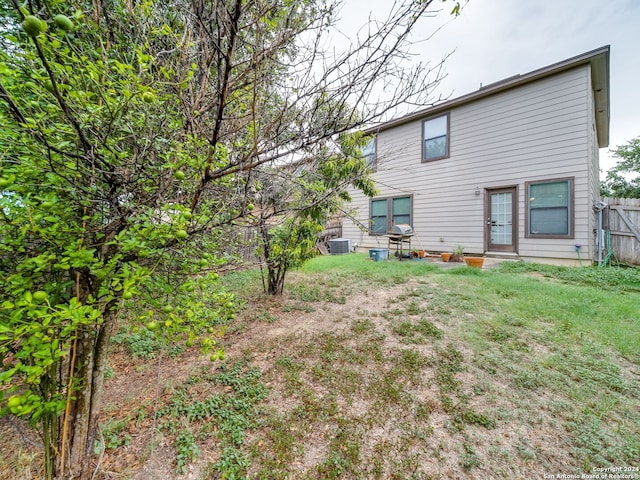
x: 537, y: 131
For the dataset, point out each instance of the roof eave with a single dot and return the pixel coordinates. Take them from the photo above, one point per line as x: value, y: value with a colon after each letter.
x: 602, y: 95
x: 598, y: 59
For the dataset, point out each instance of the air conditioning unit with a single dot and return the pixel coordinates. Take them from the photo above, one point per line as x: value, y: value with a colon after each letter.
x: 338, y: 246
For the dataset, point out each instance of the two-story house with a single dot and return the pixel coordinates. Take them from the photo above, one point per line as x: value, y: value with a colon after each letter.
x: 511, y: 169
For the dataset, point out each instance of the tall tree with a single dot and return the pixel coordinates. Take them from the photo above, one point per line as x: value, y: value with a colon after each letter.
x: 623, y: 179
x: 129, y: 131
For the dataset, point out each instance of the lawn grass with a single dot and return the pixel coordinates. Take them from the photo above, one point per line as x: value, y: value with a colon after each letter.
x: 561, y: 341
x: 399, y: 370
x: 565, y: 341
x: 598, y: 303
x: 406, y: 370
x: 391, y: 271
x: 579, y: 311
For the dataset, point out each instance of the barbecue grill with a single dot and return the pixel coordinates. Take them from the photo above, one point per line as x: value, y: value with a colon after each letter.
x: 399, y: 236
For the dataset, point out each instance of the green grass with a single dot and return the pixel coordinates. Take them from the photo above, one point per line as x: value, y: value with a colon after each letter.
x: 611, y: 278
x: 600, y: 303
x: 506, y: 372
x: 571, y: 312
x: 358, y: 267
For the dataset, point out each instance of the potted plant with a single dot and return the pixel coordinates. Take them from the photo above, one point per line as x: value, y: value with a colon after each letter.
x: 446, y: 256
x: 458, y: 254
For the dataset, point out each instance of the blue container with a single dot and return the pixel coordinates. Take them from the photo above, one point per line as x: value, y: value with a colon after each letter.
x: 378, y: 254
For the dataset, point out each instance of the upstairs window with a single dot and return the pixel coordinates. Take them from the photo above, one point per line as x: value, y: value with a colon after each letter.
x: 550, y: 209
x: 435, y: 138
x: 369, y: 153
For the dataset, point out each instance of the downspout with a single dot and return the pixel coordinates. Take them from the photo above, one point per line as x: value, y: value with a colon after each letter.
x: 599, y: 207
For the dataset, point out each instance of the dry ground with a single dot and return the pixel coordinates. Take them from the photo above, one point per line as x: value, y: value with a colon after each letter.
x: 370, y: 381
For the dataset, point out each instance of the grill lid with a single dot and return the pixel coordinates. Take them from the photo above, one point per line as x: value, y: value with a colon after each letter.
x: 402, y: 229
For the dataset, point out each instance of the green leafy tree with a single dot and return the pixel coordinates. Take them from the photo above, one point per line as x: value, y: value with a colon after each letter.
x: 128, y: 137
x: 295, y: 202
x: 623, y: 179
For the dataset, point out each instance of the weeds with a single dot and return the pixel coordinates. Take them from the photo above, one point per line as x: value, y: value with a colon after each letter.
x: 344, y: 452
x: 529, y: 379
x: 291, y: 372
x: 187, y: 450
x: 360, y: 327
x: 419, y: 332
x: 227, y: 416
x: 440, y: 371
x: 470, y: 417
x: 450, y: 361
x: 115, y: 434
x: 265, y: 316
x: 141, y: 343
x: 298, y: 307
x: 469, y: 459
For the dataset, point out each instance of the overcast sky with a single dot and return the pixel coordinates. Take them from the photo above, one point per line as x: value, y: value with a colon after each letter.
x: 496, y: 39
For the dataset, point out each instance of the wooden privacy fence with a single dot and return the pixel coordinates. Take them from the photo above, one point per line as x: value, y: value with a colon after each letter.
x: 244, y: 240
x: 623, y: 222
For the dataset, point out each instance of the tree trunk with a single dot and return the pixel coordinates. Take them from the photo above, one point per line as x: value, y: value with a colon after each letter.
x: 80, y: 422
x: 89, y: 371
x: 276, y: 278
x: 97, y: 384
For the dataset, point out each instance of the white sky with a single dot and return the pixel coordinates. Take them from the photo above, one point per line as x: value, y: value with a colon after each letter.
x: 496, y: 39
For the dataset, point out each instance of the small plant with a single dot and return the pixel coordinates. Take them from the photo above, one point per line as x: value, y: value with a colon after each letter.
x: 266, y: 316
x: 471, y: 417
x: 291, y: 372
x: 344, y: 455
x: 414, y: 308
x: 469, y: 459
x: 305, y: 293
x: 114, y: 435
x: 143, y: 343
x: 417, y: 333
x: 428, y: 329
x: 232, y: 464
x: 458, y: 254
x: 363, y: 326
x: 187, y: 449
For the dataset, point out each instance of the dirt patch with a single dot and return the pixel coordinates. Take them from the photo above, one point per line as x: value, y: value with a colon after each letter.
x: 387, y: 381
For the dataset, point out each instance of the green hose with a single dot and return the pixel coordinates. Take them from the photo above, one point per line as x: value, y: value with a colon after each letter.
x: 610, y: 254
x: 578, y: 252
